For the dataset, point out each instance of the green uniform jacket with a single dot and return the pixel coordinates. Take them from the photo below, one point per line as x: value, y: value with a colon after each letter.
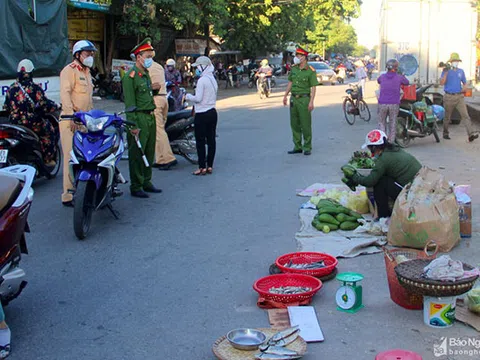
x: 302, y: 79
x: 394, y: 163
x: 137, y: 90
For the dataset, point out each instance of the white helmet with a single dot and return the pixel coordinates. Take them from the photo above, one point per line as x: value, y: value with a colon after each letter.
x: 170, y: 62
x: 374, y: 137
x: 202, y: 60
x: 25, y: 65
x: 83, y: 45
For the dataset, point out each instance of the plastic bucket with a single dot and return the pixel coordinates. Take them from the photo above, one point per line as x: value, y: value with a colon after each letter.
x: 398, y: 354
x: 439, y: 312
x: 468, y: 92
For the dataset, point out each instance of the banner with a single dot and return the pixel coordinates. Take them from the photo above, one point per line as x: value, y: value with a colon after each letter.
x: 119, y: 67
x: 95, y: 5
x: 190, y: 47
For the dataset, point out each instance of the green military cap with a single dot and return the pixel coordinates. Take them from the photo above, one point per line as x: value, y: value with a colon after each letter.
x: 143, y: 46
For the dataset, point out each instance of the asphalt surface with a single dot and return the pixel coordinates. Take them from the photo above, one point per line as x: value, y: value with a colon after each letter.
x: 176, y: 271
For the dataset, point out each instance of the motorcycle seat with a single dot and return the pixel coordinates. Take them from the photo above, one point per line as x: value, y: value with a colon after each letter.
x: 10, y: 188
x: 177, y: 115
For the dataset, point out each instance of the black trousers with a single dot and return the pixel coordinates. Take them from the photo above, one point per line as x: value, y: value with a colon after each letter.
x: 384, y: 190
x: 205, y: 134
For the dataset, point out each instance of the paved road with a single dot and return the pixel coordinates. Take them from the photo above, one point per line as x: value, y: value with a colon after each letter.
x: 176, y: 271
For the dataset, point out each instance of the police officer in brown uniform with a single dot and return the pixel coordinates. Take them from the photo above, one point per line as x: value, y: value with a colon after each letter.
x: 76, y: 90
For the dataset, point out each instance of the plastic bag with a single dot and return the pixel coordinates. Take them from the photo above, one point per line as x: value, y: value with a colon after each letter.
x: 356, y: 201
x: 473, y: 297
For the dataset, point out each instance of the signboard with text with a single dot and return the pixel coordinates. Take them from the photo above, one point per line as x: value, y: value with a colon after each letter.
x: 95, y: 5
x: 190, y: 47
x: 119, y: 66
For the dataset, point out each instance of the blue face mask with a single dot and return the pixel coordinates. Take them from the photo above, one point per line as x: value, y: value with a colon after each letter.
x: 198, y: 72
x: 148, y: 62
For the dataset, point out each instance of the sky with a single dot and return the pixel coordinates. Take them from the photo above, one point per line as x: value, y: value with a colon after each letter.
x: 367, y: 25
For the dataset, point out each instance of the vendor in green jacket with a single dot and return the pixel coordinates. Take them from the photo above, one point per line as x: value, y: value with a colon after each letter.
x: 394, y: 168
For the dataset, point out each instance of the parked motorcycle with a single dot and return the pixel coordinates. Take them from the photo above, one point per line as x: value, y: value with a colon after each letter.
x: 93, y: 161
x: 16, y: 196
x: 105, y: 86
x: 418, y: 118
x: 20, y: 145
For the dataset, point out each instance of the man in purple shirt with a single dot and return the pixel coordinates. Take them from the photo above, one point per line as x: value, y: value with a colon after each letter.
x: 454, y: 82
x: 389, y: 99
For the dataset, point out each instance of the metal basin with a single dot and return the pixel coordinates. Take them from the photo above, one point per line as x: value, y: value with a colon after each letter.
x: 246, y: 339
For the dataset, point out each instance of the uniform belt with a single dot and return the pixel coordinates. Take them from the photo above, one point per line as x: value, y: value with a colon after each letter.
x: 452, y: 93
x: 296, y: 96
x: 149, y: 112
x: 161, y: 95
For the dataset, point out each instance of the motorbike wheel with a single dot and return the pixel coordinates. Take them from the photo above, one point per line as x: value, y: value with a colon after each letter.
x: 58, y: 159
x: 83, y: 208
x: 348, y: 106
x: 435, y: 133
x: 250, y: 84
x: 102, y: 93
x: 364, y: 110
x: 402, y: 138
x: 191, y: 157
x: 273, y: 83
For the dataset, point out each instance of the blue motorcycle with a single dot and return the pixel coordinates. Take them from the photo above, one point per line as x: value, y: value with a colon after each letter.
x: 93, y: 164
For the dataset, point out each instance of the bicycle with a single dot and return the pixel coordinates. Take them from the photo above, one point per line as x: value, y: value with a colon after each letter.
x: 354, y: 105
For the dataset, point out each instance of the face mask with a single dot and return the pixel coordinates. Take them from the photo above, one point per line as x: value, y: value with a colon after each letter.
x: 148, y: 62
x: 198, y: 72
x: 296, y: 60
x: 88, y: 61
x: 455, y: 64
x: 170, y: 68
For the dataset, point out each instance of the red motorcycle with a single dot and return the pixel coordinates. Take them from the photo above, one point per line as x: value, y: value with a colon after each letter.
x: 16, y: 195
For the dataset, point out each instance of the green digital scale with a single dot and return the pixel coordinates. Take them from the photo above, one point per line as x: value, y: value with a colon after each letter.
x: 349, y: 295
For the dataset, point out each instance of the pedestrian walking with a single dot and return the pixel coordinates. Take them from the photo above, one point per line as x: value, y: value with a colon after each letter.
x: 164, y: 158
x: 454, y: 82
x: 76, y: 91
x: 389, y: 99
x: 302, y: 82
x: 206, y: 116
x: 137, y: 89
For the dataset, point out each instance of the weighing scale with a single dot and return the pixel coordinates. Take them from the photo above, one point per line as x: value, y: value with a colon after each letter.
x: 349, y: 295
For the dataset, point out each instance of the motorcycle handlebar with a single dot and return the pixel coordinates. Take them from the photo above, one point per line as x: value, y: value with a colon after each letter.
x: 67, y: 117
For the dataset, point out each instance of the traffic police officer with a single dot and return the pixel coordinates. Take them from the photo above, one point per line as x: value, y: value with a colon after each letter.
x: 301, y: 82
x: 137, y: 90
x: 76, y: 90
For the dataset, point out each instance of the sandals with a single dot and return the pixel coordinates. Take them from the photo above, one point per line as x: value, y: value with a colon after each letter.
x: 209, y: 170
x: 200, y: 172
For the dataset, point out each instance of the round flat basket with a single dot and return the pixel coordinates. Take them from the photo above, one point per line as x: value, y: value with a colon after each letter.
x: 409, y: 274
x: 263, y: 286
x: 223, y: 350
x: 330, y: 262
x: 273, y: 270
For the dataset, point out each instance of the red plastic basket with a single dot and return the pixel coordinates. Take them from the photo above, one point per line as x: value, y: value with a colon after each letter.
x: 306, y: 258
x: 263, y: 285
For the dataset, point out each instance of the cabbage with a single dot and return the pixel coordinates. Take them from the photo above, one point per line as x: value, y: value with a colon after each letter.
x: 473, y: 297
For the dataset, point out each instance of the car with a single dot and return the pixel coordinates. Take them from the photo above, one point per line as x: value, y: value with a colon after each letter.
x: 325, y: 73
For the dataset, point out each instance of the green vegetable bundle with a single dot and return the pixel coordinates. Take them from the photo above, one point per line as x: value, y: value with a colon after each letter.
x: 362, y: 160
x: 332, y: 216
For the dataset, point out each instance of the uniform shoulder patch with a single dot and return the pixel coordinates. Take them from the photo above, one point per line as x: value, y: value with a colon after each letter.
x: 73, y: 65
x: 132, y: 74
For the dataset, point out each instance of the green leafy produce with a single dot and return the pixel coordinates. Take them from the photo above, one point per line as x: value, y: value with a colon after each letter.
x: 362, y: 160
x: 473, y: 297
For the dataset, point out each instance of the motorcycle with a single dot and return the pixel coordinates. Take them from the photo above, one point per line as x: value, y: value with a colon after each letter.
x: 20, y: 145
x: 106, y: 86
x: 418, y: 118
x: 252, y: 79
x: 93, y: 161
x: 175, y: 96
x: 15, y: 202
x: 262, y: 86
x: 180, y: 130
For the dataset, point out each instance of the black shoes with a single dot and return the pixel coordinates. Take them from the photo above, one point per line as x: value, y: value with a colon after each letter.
x: 308, y: 152
x: 472, y: 137
x: 166, y: 166
x: 67, y: 203
x: 153, y: 189
x: 140, y: 194
x: 294, y: 152
x: 447, y: 137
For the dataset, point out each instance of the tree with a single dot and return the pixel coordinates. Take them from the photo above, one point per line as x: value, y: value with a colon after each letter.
x: 360, y: 51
